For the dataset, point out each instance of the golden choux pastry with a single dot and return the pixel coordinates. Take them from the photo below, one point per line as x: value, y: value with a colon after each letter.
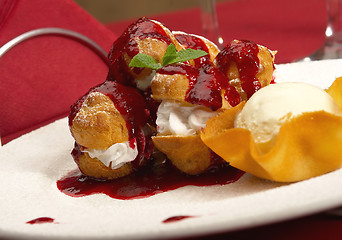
x: 247, y: 65
x: 187, y: 153
x: 170, y: 87
x: 189, y: 85
x: 143, y: 36
x: 108, y: 125
x: 98, y: 124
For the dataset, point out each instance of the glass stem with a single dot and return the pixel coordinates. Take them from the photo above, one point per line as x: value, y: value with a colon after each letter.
x: 334, y: 25
x: 332, y: 47
x: 210, y: 25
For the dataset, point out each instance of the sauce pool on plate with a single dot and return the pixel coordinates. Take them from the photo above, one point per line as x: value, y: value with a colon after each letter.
x: 158, y: 178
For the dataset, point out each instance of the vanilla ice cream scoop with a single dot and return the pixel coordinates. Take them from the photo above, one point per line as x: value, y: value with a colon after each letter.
x: 266, y: 111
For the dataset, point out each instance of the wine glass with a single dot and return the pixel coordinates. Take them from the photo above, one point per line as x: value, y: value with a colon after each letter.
x: 332, y: 47
x: 210, y: 24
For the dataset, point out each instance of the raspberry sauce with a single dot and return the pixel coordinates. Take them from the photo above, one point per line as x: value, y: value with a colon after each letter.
x: 205, y: 85
x: 142, y: 28
x: 126, y: 47
x: 41, y: 220
x: 176, y: 219
x: 245, y: 55
x: 196, y: 43
x: 158, y: 177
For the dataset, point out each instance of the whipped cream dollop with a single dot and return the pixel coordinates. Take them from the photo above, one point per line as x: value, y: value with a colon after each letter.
x: 145, y: 83
x: 176, y: 119
x: 270, y: 107
x: 116, y: 155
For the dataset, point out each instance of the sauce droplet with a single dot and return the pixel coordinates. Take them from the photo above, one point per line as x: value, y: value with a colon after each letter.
x: 41, y: 220
x: 176, y: 219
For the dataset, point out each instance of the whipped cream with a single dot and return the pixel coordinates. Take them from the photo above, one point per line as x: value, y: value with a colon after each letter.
x: 176, y: 119
x: 116, y: 155
x: 145, y: 83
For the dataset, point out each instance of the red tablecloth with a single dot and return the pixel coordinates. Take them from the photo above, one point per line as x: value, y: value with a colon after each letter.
x: 42, y: 77
x: 315, y: 227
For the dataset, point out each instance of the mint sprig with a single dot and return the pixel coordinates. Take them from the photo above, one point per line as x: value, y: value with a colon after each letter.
x: 143, y: 60
x: 171, y: 56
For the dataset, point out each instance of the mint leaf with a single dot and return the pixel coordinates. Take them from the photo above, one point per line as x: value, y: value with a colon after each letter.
x: 170, y: 55
x: 189, y: 54
x: 144, y: 60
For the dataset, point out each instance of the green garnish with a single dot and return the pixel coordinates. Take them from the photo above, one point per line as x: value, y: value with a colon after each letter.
x: 171, y: 56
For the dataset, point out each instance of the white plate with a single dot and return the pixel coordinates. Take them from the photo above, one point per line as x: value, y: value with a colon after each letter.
x: 31, y: 165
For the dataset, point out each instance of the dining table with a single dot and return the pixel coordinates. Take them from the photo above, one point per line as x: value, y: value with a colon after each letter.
x: 41, y: 77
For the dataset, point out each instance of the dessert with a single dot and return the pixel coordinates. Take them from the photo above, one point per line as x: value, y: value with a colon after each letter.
x: 164, y: 86
x: 109, y: 127
x: 285, y: 132
x: 176, y: 95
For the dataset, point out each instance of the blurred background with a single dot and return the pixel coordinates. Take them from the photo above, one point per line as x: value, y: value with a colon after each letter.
x: 118, y: 10
x: 294, y: 28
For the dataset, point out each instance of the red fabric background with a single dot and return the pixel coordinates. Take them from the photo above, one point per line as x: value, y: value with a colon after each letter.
x: 41, y: 77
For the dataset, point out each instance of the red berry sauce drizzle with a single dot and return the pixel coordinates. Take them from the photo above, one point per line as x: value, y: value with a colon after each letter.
x: 196, y: 43
x: 205, y: 85
x: 245, y: 55
x: 41, y: 220
x: 157, y: 177
x: 176, y: 219
x: 126, y: 45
